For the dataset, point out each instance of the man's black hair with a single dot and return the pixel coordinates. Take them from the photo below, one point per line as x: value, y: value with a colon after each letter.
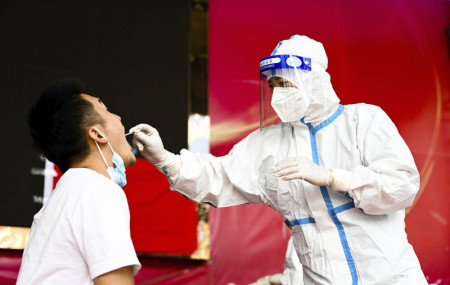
x: 58, y: 122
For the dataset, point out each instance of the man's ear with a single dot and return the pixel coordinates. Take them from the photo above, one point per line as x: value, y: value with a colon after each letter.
x: 96, y: 135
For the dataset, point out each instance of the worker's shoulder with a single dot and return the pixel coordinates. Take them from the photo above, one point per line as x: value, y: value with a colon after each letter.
x: 362, y: 107
x: 363, y: 110
x: 268, y: 131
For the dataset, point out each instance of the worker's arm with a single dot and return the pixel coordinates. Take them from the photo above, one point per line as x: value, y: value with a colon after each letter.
x: 220, y: 181
x: 388, y: 180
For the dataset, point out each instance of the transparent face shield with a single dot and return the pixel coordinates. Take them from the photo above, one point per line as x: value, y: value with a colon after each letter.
x: 285, y: 82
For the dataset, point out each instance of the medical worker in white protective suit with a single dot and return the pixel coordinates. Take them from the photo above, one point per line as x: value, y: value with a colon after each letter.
x: 340, y: 176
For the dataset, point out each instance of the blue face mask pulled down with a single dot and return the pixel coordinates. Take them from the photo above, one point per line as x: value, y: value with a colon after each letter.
x: 116, y: 173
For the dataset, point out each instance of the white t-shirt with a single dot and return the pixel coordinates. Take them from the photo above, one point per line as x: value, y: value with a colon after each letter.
x: 83, y: 231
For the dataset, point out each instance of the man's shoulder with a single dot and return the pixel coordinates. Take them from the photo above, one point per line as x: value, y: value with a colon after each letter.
x: 88, y: 190
x: 87, y: 180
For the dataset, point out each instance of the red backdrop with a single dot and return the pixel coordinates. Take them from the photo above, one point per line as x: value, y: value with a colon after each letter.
x: 391, y: 53
x: 162, y: 221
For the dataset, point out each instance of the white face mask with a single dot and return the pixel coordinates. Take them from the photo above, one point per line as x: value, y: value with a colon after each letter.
x: 117, y: 171
x: 289, y: 104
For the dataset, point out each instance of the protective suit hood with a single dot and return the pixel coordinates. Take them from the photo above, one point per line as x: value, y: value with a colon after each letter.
x: 324, y: 100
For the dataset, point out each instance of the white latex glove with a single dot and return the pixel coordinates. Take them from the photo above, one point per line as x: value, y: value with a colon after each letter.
x: 149, y: 143
x: 303, y: 168
x: 268, y: 280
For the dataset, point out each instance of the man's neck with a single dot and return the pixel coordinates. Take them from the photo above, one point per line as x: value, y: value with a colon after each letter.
x: 94, y: 161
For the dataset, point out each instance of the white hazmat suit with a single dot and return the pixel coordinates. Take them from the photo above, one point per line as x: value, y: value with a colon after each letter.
x: 355, y: 176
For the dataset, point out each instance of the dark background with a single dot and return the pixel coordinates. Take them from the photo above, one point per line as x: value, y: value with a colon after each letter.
x: 134, y: 55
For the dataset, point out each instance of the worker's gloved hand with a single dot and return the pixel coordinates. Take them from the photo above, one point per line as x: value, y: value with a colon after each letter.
x: 303, y: 168
x: 149, y: 143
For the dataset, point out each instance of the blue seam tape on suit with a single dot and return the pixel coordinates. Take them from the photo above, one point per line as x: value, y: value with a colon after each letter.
x: 349, y: 205
x: 299, y: 222
x: 331, y: 210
